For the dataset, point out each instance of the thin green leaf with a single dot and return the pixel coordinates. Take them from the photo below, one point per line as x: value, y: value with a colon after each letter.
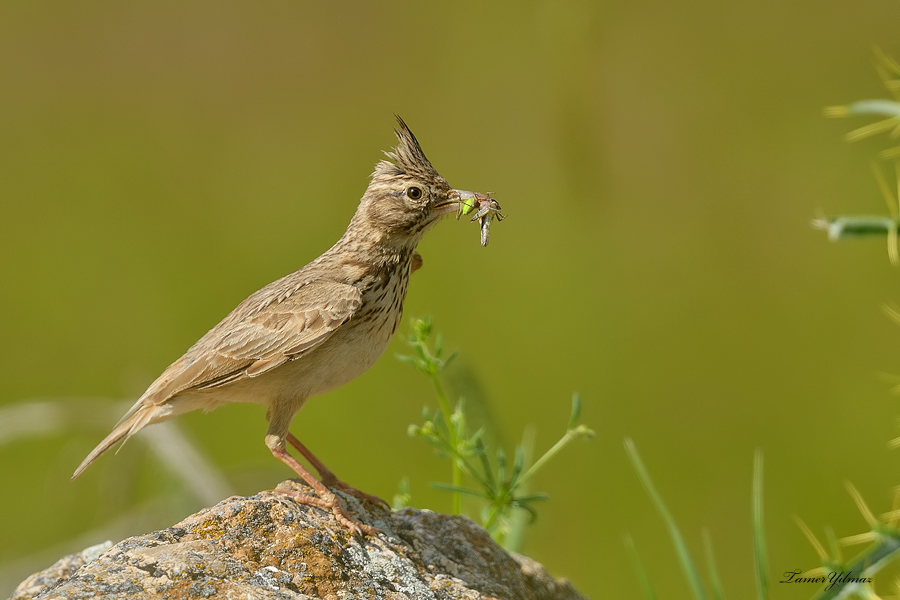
x: 687, y: 564
x: 501, y: 466
x: 533, y: 497
x: 485, y: 464
x: 576, y: 410
x: 649, y: 594
x: 454, y: 488
x: 475, y: 441
x: 531, y: 512
x: 518, y: 465
x: 717, y: 591
x: 449, y: 358
x: 759, y: 539
x: 524, y: 452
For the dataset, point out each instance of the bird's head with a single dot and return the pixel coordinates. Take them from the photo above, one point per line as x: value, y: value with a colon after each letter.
x: 406, y: 195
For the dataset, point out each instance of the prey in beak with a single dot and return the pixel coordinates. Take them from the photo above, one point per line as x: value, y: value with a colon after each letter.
x: 488, y: 209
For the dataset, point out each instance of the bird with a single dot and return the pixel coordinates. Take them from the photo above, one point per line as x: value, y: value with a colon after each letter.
x: 312, y: 330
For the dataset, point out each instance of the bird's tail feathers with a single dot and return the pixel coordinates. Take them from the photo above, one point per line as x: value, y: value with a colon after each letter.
x: 138, y: 417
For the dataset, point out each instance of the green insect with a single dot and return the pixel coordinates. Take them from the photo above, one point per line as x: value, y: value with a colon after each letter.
x: 466, y: 205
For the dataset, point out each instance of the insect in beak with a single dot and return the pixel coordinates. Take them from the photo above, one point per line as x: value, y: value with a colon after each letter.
x: 487, y: 209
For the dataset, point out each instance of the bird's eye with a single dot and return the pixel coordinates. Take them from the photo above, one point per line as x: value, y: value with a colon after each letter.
x: 414, y: 193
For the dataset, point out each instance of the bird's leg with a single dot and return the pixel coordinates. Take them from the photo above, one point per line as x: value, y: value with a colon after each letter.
x: 326, y: 499
x: 280, y: 416
x: 329, y: 478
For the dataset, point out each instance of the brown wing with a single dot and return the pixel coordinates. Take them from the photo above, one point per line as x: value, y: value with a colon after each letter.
x: 277, y: 324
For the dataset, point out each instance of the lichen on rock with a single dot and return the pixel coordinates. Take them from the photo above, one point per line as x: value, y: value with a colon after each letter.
x: 268, y: 546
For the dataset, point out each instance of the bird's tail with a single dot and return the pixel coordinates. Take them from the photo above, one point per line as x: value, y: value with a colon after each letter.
x: 134, y: 420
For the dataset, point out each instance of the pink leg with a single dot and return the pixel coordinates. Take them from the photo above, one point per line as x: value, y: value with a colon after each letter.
x: 326, y: 499
x: 329, y: 478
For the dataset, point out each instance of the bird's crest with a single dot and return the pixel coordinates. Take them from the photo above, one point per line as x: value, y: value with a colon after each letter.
x: 408, y: 157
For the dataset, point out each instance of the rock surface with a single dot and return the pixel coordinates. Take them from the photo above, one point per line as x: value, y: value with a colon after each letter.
x: 268, y: 546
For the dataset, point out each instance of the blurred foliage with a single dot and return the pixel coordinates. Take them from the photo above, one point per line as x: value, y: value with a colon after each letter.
x: 855, y: 577
x: 862, y: 225
x: 161, y: 161
x: 836, y: 577
x: 501, y: 486
x: 889, y: 72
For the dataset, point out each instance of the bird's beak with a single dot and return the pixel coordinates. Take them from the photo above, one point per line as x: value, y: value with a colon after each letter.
x: 454, y: 199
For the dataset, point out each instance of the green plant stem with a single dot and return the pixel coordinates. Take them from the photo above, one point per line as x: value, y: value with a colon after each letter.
x: 761, y: 562
x: 856, y: 226
x: 718, y: 594
x: 879, y: 555
x: 493, y: 515
x: 570, y: 435
x: 687, y: 563
x: 649, y: 593
x: 454, y: 442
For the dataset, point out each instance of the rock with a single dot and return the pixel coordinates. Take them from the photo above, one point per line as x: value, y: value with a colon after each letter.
x: 61, y: 570
x: 268, y: 546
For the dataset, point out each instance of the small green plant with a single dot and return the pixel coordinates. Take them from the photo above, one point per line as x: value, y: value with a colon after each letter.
x: 883, y: 536
x: 688, y: 566
x: 854, y: 577
x: 889, y: 72
x: 849, y: 226
x: 500, y: 484
x: 840, y: 578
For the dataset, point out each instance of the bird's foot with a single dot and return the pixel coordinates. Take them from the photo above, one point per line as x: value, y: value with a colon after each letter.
x: 328, y: 478
x: 330, y: 501
x: 331, y: 481
x: 326, y: 499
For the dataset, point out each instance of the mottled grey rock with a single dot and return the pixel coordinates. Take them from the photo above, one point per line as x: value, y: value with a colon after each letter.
x: 268, y: 546
x: 58, y: 571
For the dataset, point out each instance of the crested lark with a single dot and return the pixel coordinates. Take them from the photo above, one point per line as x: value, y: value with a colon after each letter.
x: 315, y: 329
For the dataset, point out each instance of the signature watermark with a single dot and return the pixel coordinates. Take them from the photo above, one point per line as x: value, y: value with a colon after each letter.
x: 831, y: 579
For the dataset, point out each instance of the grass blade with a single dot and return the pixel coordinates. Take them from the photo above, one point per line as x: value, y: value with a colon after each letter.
x: 759, y: 538
x: 717, y: 591
x: 687, y: 564
x: 649, y: 594
x: 885, y: 551
x: 458, y: 490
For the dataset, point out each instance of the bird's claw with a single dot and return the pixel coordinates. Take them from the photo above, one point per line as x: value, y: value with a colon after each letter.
x: 356, y: 493
x: 332, y: 503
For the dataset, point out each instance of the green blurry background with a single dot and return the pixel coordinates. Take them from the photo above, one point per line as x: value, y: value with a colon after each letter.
x: 659, y: 163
